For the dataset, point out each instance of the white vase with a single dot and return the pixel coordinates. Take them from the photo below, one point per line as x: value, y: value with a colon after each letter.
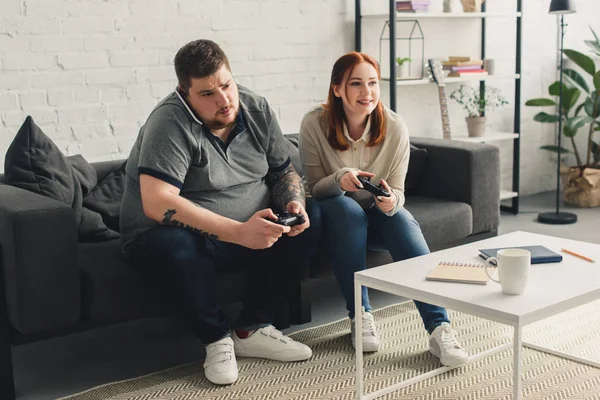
x: 402, y: 71
x: 476, y: 126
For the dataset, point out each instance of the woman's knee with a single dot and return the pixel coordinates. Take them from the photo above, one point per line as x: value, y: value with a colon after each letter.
x: 342, y: 209
x: 404, y: 220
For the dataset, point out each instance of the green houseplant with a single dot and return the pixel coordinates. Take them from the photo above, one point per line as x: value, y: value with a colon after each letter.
x: 402, y: 67
x: 475, y: 105
x: 582, y: 182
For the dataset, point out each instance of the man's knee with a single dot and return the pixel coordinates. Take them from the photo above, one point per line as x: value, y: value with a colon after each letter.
x: 167, y: 245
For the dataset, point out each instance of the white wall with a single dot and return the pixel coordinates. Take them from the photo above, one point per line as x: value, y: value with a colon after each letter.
x: 89, y: 71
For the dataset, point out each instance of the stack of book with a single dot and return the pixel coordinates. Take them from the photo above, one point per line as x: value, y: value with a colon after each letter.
x: 412, y: 5
x: 464, y: 66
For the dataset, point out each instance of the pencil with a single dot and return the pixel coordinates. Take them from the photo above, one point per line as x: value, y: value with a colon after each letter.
x: 578, y: 255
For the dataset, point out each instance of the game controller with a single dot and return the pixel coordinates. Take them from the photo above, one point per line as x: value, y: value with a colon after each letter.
x: 289, y: 219
x: 378, y: 190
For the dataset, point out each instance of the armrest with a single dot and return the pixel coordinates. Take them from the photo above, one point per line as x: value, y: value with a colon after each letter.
x: 465, y: 172
x: 38, y: 241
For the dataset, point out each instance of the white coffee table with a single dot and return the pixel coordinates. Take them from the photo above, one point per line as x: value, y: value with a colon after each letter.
x: 552, y: 288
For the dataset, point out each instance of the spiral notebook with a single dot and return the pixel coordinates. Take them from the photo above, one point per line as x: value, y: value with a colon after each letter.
x: 459, y: 272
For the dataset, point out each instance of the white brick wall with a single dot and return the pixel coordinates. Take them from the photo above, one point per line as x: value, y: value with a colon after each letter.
x: 90, y: 71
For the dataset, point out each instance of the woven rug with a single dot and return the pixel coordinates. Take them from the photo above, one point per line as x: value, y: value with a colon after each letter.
x: 330, y: 373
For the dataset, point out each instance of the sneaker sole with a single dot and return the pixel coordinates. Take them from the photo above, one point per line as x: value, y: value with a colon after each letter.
x: 275, y: 357
x: 368, y: 347
x: 452, y: 362
x: 220, y: 380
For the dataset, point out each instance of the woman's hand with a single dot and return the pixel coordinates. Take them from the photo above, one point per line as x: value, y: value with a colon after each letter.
x: 349, y: 181
x: 386, y: 204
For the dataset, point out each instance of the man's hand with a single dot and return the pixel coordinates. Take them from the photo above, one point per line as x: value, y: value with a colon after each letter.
x: 350, y: 183
x: 297, y: 208
x: 386, y: 204
x: 260, y: 232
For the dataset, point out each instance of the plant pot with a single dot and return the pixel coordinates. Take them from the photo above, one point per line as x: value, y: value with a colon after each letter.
x: 402, y: 71
x: 584, y: 190
x: 476, y: 126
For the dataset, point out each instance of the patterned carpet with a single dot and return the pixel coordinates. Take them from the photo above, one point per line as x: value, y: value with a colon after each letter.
x: 330, y: 373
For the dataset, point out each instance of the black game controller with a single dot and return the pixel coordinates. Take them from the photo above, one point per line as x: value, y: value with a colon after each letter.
x: 289, y: 219
x: 368, y: 186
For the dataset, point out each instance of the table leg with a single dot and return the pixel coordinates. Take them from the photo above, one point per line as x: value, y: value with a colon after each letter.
x: 358, y: 329
x: 517, y: 367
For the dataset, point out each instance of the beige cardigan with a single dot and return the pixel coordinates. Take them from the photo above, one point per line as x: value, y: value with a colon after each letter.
x: 324, y: 166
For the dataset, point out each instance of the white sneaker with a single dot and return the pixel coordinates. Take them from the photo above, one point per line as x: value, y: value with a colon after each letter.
x: 443, y: 344
x: 220, y: 366
x: 271, y: 344
x: 370, y: 338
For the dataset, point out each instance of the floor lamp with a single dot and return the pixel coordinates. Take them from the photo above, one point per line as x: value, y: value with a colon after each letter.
x: 559, y: 7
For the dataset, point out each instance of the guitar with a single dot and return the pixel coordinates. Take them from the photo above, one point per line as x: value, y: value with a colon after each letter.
x: 437, y: 74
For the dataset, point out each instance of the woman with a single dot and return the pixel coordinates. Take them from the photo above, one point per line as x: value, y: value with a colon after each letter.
x: 353, y: 135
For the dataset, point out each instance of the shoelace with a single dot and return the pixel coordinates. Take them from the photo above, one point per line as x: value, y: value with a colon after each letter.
x: 368, y: 324
x: 448, y: 337
x: 270, y: 331
x: 222, y: 352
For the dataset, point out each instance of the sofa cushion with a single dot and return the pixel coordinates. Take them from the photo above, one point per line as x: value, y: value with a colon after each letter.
x: 441, y: 221
x: 105, y: 198
x: 416, y: 164
x: 33, y: 162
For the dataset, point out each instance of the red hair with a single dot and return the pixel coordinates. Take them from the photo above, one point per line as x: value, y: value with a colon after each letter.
x: 334, y: 107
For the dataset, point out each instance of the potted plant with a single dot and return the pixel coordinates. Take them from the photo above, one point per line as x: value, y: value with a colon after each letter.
x: 475, y: 105
x: 582, y: 182
x: 402, y: 71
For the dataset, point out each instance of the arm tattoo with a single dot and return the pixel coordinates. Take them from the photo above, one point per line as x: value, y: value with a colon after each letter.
x: 169, y: 220
x: 285, y: 186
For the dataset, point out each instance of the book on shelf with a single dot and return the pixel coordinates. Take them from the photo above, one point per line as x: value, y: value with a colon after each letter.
x: 459, y: 58
x: 461, y: 74
x: 461, y: 63
x: 413, y: 2
x: 412, y: 8
x: 412, y: 11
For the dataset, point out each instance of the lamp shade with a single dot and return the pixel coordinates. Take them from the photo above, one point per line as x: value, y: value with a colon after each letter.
x: 562, y: 7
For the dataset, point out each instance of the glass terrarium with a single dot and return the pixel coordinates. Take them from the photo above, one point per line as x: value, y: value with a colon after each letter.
x: 410, y: 49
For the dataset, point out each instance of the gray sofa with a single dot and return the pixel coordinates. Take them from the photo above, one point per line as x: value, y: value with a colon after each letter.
x: 54, y: 284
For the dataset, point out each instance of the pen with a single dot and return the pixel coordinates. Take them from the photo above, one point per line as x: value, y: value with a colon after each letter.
x: 578, y: 255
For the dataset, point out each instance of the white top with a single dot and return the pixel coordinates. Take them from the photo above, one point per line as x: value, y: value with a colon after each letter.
x: 552, y: 287
x: 324, y: 166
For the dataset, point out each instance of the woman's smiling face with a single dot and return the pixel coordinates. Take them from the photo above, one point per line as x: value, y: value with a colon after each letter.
x: 360, y: 90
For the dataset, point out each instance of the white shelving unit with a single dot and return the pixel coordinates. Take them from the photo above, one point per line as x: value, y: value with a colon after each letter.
x: 487, y: 138
x: 454, y: 15
x: 394, y: 16
x: 507, y: 194
x: 427, y: 81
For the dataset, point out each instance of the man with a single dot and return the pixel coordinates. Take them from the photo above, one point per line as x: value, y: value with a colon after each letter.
x: 205, y: 168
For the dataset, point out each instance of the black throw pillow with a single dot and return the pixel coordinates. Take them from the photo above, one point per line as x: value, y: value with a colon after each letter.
x: 33, y: 162
x: 416, y: 164
x: 105, y: 198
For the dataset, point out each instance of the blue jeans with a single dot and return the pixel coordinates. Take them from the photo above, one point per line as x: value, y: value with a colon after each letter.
x: 349, y: 231
x: 185, y: 265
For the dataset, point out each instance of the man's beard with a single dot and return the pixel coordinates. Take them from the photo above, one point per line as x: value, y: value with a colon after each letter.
x: 215, y: 124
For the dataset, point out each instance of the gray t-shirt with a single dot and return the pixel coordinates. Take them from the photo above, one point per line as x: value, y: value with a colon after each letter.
x: 227, y: 179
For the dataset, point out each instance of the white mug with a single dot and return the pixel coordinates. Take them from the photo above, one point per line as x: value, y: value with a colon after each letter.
x: 513, y: 269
